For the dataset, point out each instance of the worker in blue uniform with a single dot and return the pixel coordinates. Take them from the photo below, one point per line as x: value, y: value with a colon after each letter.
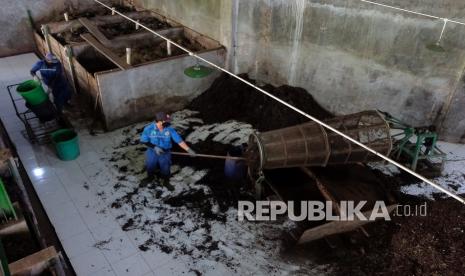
x: 158, y: 137
x: 52, y: 75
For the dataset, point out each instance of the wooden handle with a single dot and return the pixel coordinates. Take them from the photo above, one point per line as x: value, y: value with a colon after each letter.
x: 208, y: 156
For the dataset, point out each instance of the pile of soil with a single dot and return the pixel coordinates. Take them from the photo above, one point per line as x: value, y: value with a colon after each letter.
x: 416, y: 245
x: 224, y: 191
x: 229, y: 98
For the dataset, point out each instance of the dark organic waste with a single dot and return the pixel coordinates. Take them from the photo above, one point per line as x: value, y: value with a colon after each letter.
x: 229, y: 98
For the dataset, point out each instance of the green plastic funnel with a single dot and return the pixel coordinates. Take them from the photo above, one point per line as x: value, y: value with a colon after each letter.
x: 198, y: 71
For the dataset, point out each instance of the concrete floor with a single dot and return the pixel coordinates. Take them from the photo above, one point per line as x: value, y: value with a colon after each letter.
x: 67, y: 192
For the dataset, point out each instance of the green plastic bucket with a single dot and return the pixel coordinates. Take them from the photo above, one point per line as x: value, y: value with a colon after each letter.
x: 32, y: 91
x: 66, y: 144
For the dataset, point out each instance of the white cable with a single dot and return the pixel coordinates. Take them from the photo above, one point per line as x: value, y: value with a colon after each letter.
x: 299, y: 111
x: 410, y: 11
x: 400, y: 9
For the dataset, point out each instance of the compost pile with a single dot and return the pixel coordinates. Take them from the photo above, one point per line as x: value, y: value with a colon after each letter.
x: 416, y: 245
x: 229, y: 98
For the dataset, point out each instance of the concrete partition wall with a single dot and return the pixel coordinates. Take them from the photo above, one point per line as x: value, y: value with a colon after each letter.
x: 136, y: 94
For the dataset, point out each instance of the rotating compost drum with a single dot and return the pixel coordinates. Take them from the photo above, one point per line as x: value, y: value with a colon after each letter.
x: 310, y: 144
x: 290, y: 163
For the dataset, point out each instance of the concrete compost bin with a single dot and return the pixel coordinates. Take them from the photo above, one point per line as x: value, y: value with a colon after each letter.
x: 154, y: 81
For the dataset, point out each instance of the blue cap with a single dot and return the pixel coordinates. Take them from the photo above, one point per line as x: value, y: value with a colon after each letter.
x: 162, y: 116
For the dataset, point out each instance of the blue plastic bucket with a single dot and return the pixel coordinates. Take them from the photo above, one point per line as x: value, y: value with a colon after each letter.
x: 235, y: 169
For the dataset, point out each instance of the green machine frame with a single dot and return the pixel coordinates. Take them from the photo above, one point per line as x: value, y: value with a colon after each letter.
x: 413, y: 144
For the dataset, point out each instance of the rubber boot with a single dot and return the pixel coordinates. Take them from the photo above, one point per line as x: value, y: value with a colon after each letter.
x: 146, y: 181
x: 165, y: 181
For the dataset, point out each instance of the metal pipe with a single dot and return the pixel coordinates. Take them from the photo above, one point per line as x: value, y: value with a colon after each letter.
x: 168, y: 48
x: 46, y: 32
x: 69, y: 56
x: 128, y: 56
x: 96, y: 101
x: 233, y: 63
x: 209, y: 156
x: 66, y: 15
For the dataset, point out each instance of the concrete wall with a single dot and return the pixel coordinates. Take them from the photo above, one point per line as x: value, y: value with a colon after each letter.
x: 350, y: 55
x: 16, y: 34
x: 138, y: 93
x: 454, y: 124
x: 354, y: 56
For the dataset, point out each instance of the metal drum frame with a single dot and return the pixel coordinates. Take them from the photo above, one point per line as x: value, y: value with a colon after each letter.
x: 310, y: 144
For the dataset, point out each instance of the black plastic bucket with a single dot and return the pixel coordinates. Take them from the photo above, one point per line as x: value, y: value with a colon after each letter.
x: 44, y: 111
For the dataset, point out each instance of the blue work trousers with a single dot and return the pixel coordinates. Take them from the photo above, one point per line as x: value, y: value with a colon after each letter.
x: 163, y: 161
x: 61, y: 94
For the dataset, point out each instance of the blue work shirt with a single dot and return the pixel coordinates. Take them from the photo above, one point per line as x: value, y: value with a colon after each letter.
x: 52, y: 74
x: 161, y: 139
